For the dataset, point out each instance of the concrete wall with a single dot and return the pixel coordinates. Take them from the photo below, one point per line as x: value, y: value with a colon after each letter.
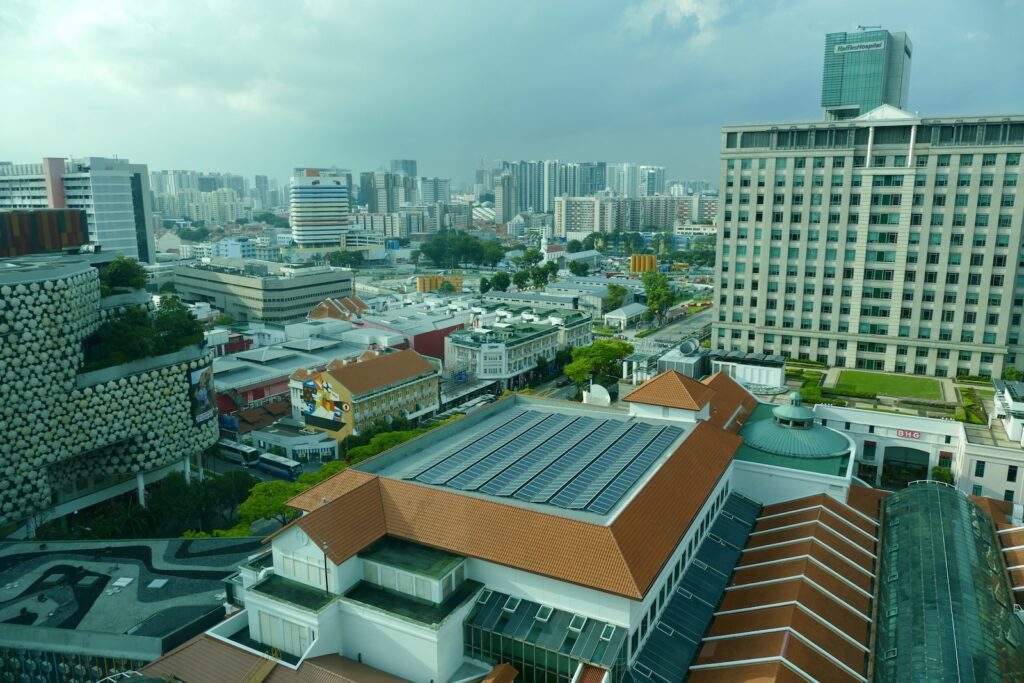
x: 769, y: 484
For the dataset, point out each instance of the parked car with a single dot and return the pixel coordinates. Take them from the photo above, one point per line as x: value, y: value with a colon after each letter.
x: 563, y: 382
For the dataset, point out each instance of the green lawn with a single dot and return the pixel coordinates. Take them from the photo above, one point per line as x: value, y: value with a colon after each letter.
x: 889, y: 385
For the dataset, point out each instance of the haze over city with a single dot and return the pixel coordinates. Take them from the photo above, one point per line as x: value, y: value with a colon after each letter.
x: 262, y: 87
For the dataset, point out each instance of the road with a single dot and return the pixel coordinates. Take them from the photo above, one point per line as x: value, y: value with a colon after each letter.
x: 678, y: 330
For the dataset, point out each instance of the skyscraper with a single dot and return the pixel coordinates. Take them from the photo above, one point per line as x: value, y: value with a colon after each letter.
x: 367, y: 195
x: 318, y: 206
x: 435, y: 190
x: 406, y: 166
x: 386, y: 191
x: 652, y: 180
x: 114, y: 194
x: 505, y: 198
x: 864, y: 70
x: 262, y: 185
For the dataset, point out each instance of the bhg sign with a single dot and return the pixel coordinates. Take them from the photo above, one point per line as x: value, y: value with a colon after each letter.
x: 907, y: 434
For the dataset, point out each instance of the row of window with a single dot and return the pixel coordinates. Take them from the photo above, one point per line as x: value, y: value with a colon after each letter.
x: 879, y: 160
x: 1007, y: 199
x: 876, y: 347
x: 959, y: 220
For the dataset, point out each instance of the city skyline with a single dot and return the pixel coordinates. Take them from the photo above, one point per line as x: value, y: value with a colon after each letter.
x: 651, y: 82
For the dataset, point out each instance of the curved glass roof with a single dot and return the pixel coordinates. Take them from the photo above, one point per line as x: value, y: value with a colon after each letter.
x: 945, y: 608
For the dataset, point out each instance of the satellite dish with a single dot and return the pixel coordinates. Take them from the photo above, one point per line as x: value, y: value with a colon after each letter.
x: 597, y: 396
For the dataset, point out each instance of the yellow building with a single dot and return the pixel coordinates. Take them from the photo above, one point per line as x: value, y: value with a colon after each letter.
x: 431, y: 283
x: 349, y: 396
x: 641, y: 263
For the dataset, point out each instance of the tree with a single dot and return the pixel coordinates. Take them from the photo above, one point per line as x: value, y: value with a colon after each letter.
x: 345, y: 259
x: 267, y: 501
x: 521, y: 278
x: 271, y: 219
x: 168, y: 288
x: 492, y: 253
x: 485, y: 285
x: 223, y: 320
x: 124, y: 272
x: 414, y: 256
x: 593, y: 360
x: 542, y: 366
x: 500, y: 281
x: 532, y: 256
x: 1011, y: 374
x: 614, y: 299
x: 539, y: 276
x: 943, y: 474
x: 579, y: 268
x: 574, y: 246
x: 175, y: 325
x: 446, y: 288
x: 229, y: 490
x: 552, y: 268
x: 659, y: 296
x: 198, y: 233
x: 120, y: 341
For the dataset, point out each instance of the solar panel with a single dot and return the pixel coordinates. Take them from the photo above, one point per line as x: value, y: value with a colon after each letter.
x: 513, y: 450
x: 618, y: 486
x: 465, y: 457
x: 541, y: 488
x: 593, y: 480
x: 448, y: 452
x: 525, y: 469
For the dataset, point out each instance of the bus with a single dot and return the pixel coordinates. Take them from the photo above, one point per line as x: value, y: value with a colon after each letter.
x: 238, y: 453
x: 279, y: 466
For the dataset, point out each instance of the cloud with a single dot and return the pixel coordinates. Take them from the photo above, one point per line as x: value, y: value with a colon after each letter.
x: 699, y: 16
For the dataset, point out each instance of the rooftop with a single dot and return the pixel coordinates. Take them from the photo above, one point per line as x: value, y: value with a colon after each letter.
x: 385, y: 370
x: 142, y: 588
x: 293, y: 592
x: 412, y: 557
x: 555, y: 458
x: 812, y: 449
x: 420, y: 611
x: 627, y: 311
x: 671, y: 389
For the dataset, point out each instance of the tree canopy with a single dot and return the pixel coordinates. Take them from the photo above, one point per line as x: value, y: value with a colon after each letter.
x: 578, y: 268
x: 446, y: 287
x: 485, y: 285
x: 521, y: 278
x: 615, y: 297
x: 574, y: 246
x: 659, y: 295
x: 593, y: 360
x: 501, y: 281
x: 270, y: 219
x: 123, y: 272
x: 345, y: 259
x: 267, y: 501
x: 451, y: 248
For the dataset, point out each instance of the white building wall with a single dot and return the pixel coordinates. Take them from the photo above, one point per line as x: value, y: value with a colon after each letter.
x: 769, y: 484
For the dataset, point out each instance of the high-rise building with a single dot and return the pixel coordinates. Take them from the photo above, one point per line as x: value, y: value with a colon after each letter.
x: 624, y: 179
x: 865, y: 70
x: 262, y: 185
x: 386, y: 192
x: 318, y: 206
x: 652, y: 180
x: 435, y: 190
x: 406, y: 166
x: 593, y: 177
x: 367, y: 195
x: 114, y: 194
x: 505, y: 198
x: 888, y: 244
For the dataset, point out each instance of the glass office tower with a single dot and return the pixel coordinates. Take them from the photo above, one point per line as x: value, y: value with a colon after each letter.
x: 864, y: 70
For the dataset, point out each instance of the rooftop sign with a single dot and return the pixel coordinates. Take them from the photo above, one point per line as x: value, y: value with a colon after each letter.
x: 843, y: 48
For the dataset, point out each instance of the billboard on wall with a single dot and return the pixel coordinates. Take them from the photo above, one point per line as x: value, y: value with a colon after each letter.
x: 321, y: 405
x: 200, y: 393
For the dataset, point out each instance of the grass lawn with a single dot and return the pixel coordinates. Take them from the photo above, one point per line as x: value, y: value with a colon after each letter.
x: 890, y: 385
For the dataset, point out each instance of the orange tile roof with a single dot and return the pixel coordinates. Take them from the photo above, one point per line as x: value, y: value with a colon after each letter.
x: 673, y: 390
x: 503, y: 673
x: 731, y: 404
x: 866, y: 500
x: 339, y: 309
x: 205, y: 658
x: 378, y: 372
x: 764, y: 672
x: 591, y: 674
x: 623, y: 558
x: 331, y: 488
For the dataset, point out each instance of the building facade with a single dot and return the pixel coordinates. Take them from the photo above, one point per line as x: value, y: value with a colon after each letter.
x: 887, y: 242
x: 318, y: 207
x: 505, y: 201
x: 271, y: 292
x: 865, y: 70
x: 114, y: 193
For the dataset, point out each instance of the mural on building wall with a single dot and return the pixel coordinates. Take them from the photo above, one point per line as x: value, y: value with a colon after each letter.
x: 200, y: 392
x: 322, y: 407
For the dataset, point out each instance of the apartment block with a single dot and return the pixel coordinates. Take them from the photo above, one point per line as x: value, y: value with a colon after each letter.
x: 887, y: 242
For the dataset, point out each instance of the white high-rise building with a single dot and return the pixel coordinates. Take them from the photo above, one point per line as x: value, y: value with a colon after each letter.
x: 435, y: 190
x: 318, y: 207
x: 114, y: 194
x: 652, y: 180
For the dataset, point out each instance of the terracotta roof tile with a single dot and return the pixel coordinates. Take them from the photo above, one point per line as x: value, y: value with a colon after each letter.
x: 866, y: 500
x: 777, y: 644
x: 731, y: 404
x: 331, y: 488
x: 673, y: 390
x: 205, y: 658
x: 765, y: 672
x: 503, y: 673
x: 591, y: 674
x: 622, y: 558
x: 377, y: 372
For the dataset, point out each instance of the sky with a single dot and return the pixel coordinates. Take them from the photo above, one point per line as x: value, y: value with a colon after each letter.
x: 263, y: 86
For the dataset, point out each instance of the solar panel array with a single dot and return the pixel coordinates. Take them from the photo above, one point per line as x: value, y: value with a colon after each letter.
x: 572, y: 462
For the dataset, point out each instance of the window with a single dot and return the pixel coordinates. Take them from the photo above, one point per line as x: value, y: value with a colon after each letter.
x: 979, y: 468
x: 976, y: 490
x: 1011, y: 473
x: 1008, y: 496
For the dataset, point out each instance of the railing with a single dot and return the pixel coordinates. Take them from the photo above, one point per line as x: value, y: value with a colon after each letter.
x: 934, y: 481
x: 135, y: 367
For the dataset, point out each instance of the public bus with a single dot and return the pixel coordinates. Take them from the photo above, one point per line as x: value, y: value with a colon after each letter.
x: 238, y: 453
x: 279, y: 466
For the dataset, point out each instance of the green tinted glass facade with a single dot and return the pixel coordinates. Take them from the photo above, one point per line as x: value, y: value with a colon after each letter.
x: 865, y: 70
x: 945, y: 609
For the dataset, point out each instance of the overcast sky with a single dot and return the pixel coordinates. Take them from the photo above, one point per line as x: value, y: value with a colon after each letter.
x: 256, y: 86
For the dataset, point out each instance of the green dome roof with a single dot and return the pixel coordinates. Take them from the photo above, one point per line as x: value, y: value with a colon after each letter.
x: 793, y: 432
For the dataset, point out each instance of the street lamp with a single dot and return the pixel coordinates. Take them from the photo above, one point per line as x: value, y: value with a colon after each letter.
x: 326, y: 585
